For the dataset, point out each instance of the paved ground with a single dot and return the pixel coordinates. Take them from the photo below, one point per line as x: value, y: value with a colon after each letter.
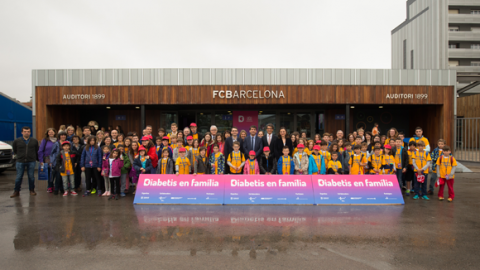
x: 53, y: 232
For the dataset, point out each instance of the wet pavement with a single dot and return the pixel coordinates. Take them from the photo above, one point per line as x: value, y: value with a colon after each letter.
x: 48, y: 231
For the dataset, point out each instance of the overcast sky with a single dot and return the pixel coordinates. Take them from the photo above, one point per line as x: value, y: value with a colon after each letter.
x: 192, y: 34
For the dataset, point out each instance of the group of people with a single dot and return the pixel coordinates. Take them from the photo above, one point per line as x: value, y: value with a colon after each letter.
x: 112, y: 161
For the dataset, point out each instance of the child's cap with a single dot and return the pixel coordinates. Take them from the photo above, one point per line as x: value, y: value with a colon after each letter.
x: 150, y: 137
x: 189, y: 138
x: 145, y: 138
x: 388, y: 146
x: 266, y: 149
x: 165, y: 138
x: 193, y: 125
x: 141, y: 148
x: 319, y: 142
x: 316, y: 147
x: 66, y: 142
x: 300, y: 146
x: 252, y: 153
x: 182, y: 150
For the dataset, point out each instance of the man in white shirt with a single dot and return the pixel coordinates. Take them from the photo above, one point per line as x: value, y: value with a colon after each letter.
x: 269, y: 139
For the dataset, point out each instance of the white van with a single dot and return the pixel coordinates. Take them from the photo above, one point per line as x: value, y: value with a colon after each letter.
x: 6, y: 156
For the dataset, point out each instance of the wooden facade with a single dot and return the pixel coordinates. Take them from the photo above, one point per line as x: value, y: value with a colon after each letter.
x: 435, y: 114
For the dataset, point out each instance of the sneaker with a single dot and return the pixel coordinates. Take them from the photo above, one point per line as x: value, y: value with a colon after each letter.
x: 122, y: 194
x: 65, y: 193
x: 50, y: 190
x: 440, y: 198
x: 86, y: 193
x: 93, y: 191
x: 450, y: 200
x: 425, y: 198
x: 415, y: 197
x: 74, y: 193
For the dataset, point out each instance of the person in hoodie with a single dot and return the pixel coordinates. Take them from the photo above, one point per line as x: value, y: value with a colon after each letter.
x: 251, y: 164
x: 55, y: 177
x: 317, y: 163
x: 300, y: 159
x: 115, y: 164
x: 44, y: 152
x: 419, y: 138
x: 268, y: 163
x: 91, y: 164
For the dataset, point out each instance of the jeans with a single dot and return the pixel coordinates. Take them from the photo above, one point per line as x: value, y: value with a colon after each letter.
x: 30, y: 166
x: 78, y: 176
x: 91, y: 178
x: 124, y: 180
x: 400, y: 177
x: 433, y: 179
x: 68, y: 179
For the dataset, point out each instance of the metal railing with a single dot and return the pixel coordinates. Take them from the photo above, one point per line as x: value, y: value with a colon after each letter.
x: 467, y: 139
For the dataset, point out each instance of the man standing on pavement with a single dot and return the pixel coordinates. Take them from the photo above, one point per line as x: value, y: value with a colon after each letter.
x: 270, y: 139
x: 26, y: 149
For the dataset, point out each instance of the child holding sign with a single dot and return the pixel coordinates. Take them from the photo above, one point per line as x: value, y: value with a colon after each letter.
x: 217, y: 161
x: 388, y: 163
x: 182, y: 164
x: 335, y: 166
x: 375, y: 161
x: 201, y: 164
x: 358, y: 161
x: 165, y: 164
x: 301, y: 160
x: 421, y: 162
x: 142, y: 164
x: 446, y: 173
x: 251, y: 165
x: 236, y: 160
x: 317, y: 163
x: 285, y: 164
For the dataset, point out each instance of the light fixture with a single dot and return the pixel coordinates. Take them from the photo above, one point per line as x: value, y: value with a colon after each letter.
x: 380, y: 107
x: 108, y: 108
x: 352, y: 107
x: 137, y: 108
x: 201, y: 113
x: 229, y: 111
x: 288, y: 113
x: 261, y: 111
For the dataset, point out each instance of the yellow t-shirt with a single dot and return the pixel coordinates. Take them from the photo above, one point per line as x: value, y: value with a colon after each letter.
x: 251, y: 166
x: 183, y: 165
x: 286, y: 164
x: 195, y: 136
x: 68, y: 165
x: 388, y: 160
x: 376, y: 162
x: 195, y: 153
x: 334, y: 165
x: 170, y: 135
x: 163, y: 168
x: 326, y: 155
x: 355, y: 167
x: 398, y: 159
x: 216, y: 156
x: 445, y: 165
x: 318, y: 161
x: 421, y: 160
x: 410, y: 156
x: 174, y: 146
x: 423, y: 139
x: 236, y: 158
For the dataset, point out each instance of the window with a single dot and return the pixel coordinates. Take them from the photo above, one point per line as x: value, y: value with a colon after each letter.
x: 405, y: 54
x: 204, y: 121
x: 453, y: 28
x: 475, y: 46
x: 166, y: 120
x: 265, y: 118
x: 223, y: 121
x: 475, y: 63
x: 286, y: 120
x: 453, y: 63
x: 453, y: 11
x: 475, y: 12
x: 452, y: 46
x: 475, y: 29
x: 411, y: 59
x: 304, y: 121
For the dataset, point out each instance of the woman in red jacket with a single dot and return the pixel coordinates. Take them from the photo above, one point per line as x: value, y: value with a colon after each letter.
x: 151, y: 152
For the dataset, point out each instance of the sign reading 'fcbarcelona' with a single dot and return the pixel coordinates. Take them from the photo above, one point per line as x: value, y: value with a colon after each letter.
x: 268, y: 189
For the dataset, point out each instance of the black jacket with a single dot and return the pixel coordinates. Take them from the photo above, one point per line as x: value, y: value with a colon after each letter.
x: 269, y: 165
x: 404, y: 157
x: 26, y: 153
x: 272, y: 143
x: 229, y: 146
x: 279, y: 147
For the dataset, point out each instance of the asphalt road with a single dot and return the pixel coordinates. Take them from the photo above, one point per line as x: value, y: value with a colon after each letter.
x: 55, y: 232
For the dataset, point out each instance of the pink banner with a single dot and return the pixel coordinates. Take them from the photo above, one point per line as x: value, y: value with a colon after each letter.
x: 244, y: 119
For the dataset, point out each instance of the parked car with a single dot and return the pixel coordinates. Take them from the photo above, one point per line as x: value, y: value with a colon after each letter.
x: 7, y: 158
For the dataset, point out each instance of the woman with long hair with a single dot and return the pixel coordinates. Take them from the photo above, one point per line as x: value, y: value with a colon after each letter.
x: 208, y: 143
x: 293, y: 138
x: 283, y: 140
x: 91, y: 164
x: 44, y: 151
x: 220, y: 143
x: 151, y: 153
x: 392, y: 134
x: 243, y: 134
x: 99, y: 136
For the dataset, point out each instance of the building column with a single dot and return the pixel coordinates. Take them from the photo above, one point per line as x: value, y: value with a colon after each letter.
x: 347, y: 120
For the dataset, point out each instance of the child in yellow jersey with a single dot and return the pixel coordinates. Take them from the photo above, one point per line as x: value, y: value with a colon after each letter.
x: 341, y: 146
x: 434, y: 155
x: 65, y: 164
x: 285, y: 164
x: 236, y: 159
x: 358, y: 161
x: 410, y: 174
x: 446, y: 173
x: 217, y: 161
x: 301, y: 160
x: 194, y: 152
x: 189, y: 143
x: 421, y: 162
x: 251, y: 165
x: 317, y: 163
x: 419, y: 138
x: 335, y: 166
x: 401, y: 161
x: 174, y: 133
x: 201, y: 166
x: 347, y: 154
x: 375, y: 161
x: 165, y: 163
x: 176, y: 150
x: 300, y: 141
x: 358, y: 141
x: 182, y: 165
x: 388, y: 162
x: 324, y: 151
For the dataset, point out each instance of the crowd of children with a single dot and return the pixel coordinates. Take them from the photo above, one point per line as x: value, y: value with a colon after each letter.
x: 121, y: 158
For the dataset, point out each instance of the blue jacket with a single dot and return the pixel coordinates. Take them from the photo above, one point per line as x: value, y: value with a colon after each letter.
x: 53, y: 154
x: 280, y: 166
x: 312, y: 166
x: 137, y: 165
x: 94, y: 155
x: 160, y: 151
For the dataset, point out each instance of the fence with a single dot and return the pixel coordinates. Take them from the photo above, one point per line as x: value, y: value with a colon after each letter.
x: 467, y: 139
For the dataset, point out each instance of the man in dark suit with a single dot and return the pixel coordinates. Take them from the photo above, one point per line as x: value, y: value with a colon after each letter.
x: 253, y: 142
x: 269, y: 139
